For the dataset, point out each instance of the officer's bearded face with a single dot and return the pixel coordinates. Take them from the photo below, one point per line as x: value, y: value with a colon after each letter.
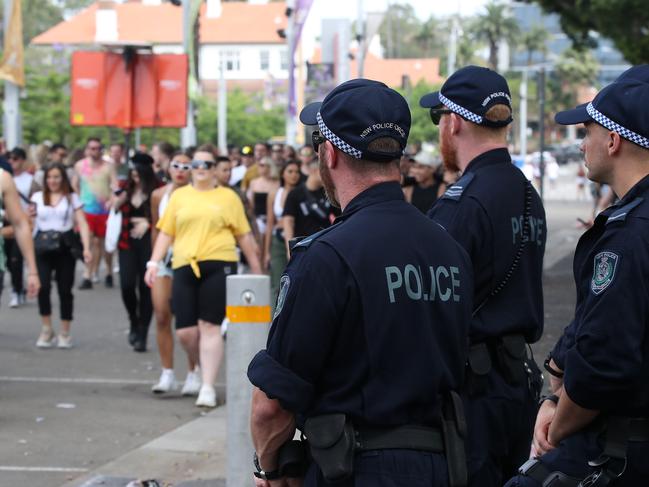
x: 327, y: 181
x: 446, y: 146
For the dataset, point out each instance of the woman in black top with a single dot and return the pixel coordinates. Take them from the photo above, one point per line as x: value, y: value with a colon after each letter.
x: 135, y: 248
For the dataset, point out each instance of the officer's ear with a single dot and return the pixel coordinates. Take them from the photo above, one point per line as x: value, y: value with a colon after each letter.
x: 329, y: 155
x: 456, y: 123
x: 614, y: 143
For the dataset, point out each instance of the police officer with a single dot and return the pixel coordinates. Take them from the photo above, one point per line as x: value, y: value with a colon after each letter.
x: 371, y: 326
x: 596, y: 424
x: 495, y: 214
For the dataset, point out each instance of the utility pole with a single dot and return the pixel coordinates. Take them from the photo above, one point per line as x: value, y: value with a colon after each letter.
x: 223, y: 110
x: 523, y: 113
x: 361, y: 38
x: 541, y: 126
x: 188, y: 133
x: 12, y: 127
x: 291, y: 128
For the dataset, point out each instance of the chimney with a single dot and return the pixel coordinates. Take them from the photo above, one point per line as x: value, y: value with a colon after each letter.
x: 106, y: 22
x: 214, y: 8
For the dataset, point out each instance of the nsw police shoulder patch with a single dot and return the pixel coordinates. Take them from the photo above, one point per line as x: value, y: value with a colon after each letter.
x: 603, y: 271
x: 284, y: 284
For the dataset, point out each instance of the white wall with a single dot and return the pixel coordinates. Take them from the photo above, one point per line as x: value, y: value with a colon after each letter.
x: 249, y: 57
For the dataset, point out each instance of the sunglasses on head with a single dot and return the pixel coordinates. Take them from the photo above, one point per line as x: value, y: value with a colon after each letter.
x: 436, y: 114
x: 316, y: 139
x: 200, y: 164
x: 180, y: 166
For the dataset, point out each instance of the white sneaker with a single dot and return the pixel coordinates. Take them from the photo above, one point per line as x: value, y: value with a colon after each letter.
x: 64, y: 341
x: 95, y: 279
x: 166, y: 383
x: 46, y: 339
x: 192, y: 383
x: 206, y: 397
x: 14, y: 302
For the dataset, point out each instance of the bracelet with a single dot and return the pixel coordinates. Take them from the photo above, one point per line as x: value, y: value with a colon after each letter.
x: 152, y: 263
x: 550, y: 397
x: 551, y: 370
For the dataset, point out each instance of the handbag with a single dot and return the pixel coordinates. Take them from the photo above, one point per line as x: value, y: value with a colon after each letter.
x: 113, y: 230
x: 72, y: 240
x: 47, y: 241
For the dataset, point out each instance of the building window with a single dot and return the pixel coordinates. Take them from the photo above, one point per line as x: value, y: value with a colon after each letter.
x: 284, y: 59
x: 231, y: 60
x: 264, y: 60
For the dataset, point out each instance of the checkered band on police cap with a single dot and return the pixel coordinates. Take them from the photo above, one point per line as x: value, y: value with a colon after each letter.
x: 463, y: 112
x: 337, y: 141
x: 603, y: 120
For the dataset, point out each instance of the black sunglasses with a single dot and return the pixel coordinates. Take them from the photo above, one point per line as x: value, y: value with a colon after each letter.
x: 436, y: 114
x: 316, y: 139
x: 200, y: 164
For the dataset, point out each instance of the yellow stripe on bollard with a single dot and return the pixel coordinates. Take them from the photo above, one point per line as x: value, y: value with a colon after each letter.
x: 248, y: 314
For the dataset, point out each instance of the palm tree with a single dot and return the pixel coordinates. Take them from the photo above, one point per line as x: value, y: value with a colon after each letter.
x: 535, y: 40
x: 494, y: 26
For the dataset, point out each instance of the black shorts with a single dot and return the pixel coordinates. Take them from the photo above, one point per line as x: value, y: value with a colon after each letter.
x: 194, y: 298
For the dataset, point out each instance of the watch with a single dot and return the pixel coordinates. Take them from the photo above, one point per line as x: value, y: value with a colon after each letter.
x: 262, y: 474
x: 551, y: 370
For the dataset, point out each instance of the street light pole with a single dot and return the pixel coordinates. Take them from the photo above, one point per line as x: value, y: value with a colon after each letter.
x: 362, y: 40
x: 541, y: 127
x: 523, y: 114
x: 291, y: 128
x: 188, y: 133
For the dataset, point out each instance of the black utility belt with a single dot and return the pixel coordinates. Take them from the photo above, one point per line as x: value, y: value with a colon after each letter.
x: 506, y: 354
x: 407, y: 437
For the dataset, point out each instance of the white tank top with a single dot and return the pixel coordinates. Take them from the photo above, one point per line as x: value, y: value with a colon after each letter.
x: 277, y: 204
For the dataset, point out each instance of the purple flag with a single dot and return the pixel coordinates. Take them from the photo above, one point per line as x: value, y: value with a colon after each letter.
x: 300, y: 14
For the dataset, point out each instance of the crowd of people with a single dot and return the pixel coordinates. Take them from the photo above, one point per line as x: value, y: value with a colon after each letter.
x: 78, y: 204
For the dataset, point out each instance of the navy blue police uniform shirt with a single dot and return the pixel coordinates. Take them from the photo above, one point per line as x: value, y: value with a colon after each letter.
x: 604, y: 352
x: 483, y: 211
x: 369, y: 321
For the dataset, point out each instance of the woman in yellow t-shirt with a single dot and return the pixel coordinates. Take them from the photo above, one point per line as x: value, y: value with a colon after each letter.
x: 204, y: 224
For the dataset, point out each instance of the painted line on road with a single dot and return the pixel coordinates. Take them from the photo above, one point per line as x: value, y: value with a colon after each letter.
x: 75, y: 380
x: 11, y: 468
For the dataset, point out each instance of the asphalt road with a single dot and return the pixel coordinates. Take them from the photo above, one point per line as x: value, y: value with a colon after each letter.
x: 66, y: 412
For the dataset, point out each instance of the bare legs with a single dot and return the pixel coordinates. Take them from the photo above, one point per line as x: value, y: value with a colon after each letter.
x: 204, y: 343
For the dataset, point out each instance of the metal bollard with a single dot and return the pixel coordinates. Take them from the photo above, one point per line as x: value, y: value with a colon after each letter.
x: 248, y: 309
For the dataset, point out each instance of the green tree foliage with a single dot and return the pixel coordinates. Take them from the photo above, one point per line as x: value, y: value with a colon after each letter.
x: 494, y: 26
x: 421, y: 128
x: 573, y: 68
x: 625, y: 22
x: 535, y: 40
x: 38, y: 16
x: 403, y: 35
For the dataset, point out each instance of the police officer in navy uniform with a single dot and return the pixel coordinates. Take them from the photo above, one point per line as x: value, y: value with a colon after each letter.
x: 594, y: 429
x: 371, y: 326
x: 495, y: 214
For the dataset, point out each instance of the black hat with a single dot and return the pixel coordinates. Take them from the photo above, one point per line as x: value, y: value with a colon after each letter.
x: 357, y: 112
x: 142, y: 158
x: 639, y: 73
x: 471, y: 92
x: 619, y: 107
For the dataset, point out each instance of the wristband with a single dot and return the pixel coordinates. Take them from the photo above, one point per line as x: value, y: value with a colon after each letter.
x: 550, y: 397
x: 551, y: 370
x: 262, y: 474
x: 152, y: 263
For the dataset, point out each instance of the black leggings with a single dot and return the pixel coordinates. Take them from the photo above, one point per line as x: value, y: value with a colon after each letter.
x: 62, y: 263
x: 14, y: 264
x: 132, y: 267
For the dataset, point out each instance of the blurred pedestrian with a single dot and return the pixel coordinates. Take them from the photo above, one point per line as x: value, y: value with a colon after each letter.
x: 288, y: 154
x: 162, y: 153
x: 307, y: 209
x: 179, y: 173
x: 277, y: 154
x: 58, y: 210
x: 19, y: 229
x: 246, y: 159
x: 306, y: 156
x: 24, y: 182
x: 581, y: 182
x: 425, y: 191
x: 274, y: 247
x: 204, y: 224
x: 260, y: 151
x: 94, y: 181
x: 135, y: 247
x: 120, y: 165
x: 258, y: 190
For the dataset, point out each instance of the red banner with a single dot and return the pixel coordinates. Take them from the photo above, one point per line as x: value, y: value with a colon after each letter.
x: 148, y: 90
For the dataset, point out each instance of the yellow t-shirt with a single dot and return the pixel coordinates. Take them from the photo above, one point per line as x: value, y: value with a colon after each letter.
x: 204, y: 225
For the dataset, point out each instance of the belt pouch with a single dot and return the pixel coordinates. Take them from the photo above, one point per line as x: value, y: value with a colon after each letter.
x: 511, y: 354
x: 479, y: 366
x: 332, y: 443
x: 454, y: 431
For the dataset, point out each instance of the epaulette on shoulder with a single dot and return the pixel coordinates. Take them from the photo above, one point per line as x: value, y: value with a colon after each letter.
x: 621, y: 213
x: 456, y: 191
x: 306, y: 243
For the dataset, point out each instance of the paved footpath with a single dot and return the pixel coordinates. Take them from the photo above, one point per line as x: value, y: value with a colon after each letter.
x: 86, y: 416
